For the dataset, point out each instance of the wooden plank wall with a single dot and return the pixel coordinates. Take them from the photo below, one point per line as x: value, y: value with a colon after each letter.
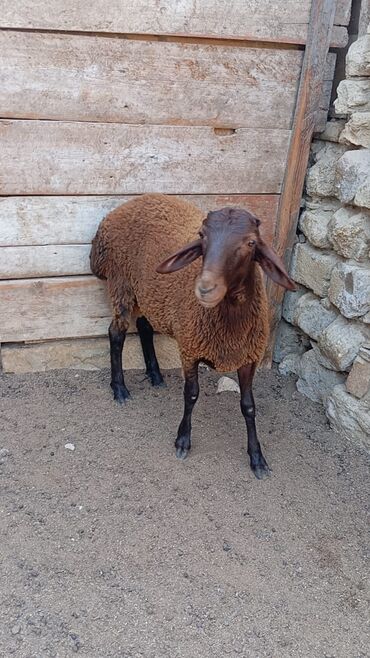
x: 99, y: 102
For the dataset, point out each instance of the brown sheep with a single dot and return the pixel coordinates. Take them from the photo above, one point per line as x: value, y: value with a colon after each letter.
x: 215, y: 307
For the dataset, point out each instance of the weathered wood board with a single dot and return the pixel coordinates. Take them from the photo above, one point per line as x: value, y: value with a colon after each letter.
x: 95, y: 158
x: 43, y: 261
x: 32, y: 260
x: 102, y: 101
x: 308, y: 106
x: 265, y: 20
x: 79, y: 78
x: 84, y: 354
x: 26, y: 221
x: 39, y: 309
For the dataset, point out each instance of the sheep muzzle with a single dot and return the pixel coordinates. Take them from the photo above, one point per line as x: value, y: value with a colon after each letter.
x: 210, y: 289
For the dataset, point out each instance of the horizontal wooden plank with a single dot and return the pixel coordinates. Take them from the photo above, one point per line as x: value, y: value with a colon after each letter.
x: 266, y: 20
x: 33, y: 260
x: 84, y: 354
x: 100, y: 158
x: 53, y: 76
x: 72, y: 220
x: 46, y: 260
x: 40, y: 309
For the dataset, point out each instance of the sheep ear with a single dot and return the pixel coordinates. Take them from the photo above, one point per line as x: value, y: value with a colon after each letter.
x: 273, y: 266
x: 181, y: 258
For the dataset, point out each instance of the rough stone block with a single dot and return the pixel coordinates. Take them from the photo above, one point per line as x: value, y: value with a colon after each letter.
x: 312, y: 268
x: 341, y: 341
x: 350, y: 289
x: 291, y: 300
x: 332, y: 131
x: 290, y: 364
x: 358, y: 380
x: 320, y: 179
x: 312, y: 316
x: 84, y: 354
x: 289, y: 340
x: 323, y: 204
x: 315, y: 381
x: 349, y: 233
x: 362, y: 196
x: 352, y: 96
x: 349, y: 416
x: 357, y: 130
x: 352, y: 176
x: 358, y: 57
x: 323, y: 360
x: 314, y: 224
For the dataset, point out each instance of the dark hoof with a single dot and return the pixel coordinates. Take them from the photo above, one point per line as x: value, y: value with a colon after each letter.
x: 260, y: 468
x: 156, y: 379
x: 120, y: 393
x: 182, y: 453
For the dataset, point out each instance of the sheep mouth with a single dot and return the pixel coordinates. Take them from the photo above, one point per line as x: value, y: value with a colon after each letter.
x: 212, y: 299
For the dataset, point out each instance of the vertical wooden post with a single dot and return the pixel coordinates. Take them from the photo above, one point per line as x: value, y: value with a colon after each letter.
x: 308, y: 103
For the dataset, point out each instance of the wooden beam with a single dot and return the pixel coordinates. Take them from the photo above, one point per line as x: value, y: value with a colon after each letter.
x: 59, y: 157
x: 265, y: 20
x: 308, y: 105
x: 73, y: 220
x: 74, y: 78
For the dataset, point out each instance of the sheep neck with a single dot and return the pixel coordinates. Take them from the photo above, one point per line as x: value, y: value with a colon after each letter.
x: 244, y: 301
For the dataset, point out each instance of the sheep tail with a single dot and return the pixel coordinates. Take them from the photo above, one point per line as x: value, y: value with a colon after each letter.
x: 98, y: 256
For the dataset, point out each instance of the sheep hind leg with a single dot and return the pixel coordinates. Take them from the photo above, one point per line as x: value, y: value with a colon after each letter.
x: 191, y: 393
x: 257, y: 461
x: 117, y: 334
x: 146, y: 332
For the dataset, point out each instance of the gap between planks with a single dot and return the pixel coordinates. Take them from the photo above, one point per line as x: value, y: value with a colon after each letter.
x: 207, y: 40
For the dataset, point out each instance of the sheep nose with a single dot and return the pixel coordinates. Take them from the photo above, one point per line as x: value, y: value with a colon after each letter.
x: 205, y: 291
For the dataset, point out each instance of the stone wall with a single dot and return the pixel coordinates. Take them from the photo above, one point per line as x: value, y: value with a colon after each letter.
x: 324, y: 337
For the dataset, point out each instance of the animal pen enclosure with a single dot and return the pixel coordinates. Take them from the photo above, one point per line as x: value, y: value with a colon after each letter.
x: 215, y: 101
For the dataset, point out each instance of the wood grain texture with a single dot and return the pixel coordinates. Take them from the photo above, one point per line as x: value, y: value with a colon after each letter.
x: 84, y: 354
x: 77, y: 78
x: 308, y: 105
x: 95, y: 158
x: 44, y: 261
x: 26, y: 221
x: 266, y: 20
x: 40, y: 309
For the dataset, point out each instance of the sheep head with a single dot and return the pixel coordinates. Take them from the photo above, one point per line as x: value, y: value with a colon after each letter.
x: 229, y: 241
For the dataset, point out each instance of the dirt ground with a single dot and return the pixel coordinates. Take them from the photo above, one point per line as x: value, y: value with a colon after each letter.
x: 117, y: 550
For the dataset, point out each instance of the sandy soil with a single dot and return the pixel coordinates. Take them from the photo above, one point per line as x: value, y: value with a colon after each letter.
x: 118, y: 550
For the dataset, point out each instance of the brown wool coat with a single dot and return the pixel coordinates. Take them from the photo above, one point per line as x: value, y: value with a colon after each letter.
x: 136, y: 237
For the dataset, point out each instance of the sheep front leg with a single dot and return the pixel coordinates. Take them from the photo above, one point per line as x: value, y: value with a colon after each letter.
x: 191, y: 393
x: 117, y: 335
x: 257, y: 461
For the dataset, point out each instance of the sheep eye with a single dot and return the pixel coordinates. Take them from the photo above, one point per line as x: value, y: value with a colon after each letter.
x: 251, y: 243
x: 201, y: 235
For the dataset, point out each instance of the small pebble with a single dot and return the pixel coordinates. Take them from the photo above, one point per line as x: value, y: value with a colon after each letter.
x: 70, y: 446
x: 16, y: 629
